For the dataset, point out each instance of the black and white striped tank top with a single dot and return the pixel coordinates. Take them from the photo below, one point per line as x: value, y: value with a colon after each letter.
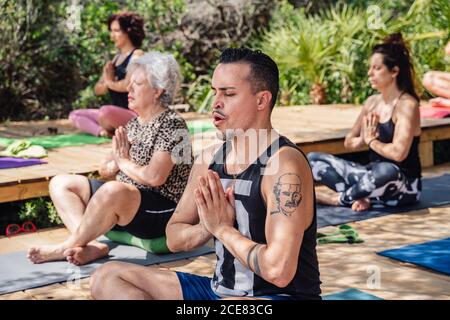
x: 231, y: 278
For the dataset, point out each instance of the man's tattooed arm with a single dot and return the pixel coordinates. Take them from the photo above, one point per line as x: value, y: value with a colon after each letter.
x: 288, y: 194
x: 252, y: 259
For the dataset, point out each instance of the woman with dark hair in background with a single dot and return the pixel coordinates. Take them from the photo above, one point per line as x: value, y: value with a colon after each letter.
x: 389, y: 124
x: 127, y: 33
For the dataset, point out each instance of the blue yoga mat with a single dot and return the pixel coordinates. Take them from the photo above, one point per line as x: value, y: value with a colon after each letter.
x: 435, y: 192
x: 351, y: 294
x: 434, y: 255
x: 17, y: 273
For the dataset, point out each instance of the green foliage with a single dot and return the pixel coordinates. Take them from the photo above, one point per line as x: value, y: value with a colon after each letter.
x: 40, y: 211
x: 199, y: 93
x: 332, y: 46
x: 38, y: 75
x: 317, y: 48
x: 46, y: 69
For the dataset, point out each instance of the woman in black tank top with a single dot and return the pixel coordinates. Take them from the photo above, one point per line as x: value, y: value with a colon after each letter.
x: 127, y: 33
x: 389, y: 124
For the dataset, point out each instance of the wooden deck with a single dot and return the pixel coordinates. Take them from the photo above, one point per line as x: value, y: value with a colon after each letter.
x: 342, y: 266
x: 313, y: 128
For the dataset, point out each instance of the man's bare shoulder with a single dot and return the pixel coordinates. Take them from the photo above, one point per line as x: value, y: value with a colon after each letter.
x: 288, y: 158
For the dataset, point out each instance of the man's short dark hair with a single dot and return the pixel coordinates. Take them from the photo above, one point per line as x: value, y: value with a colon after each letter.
x: 264, y: 73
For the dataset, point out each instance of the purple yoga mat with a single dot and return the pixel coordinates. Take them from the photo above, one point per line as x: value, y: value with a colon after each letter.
x: 7, y: 163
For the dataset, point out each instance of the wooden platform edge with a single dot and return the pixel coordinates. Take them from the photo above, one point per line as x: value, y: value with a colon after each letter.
x: 24, y: 191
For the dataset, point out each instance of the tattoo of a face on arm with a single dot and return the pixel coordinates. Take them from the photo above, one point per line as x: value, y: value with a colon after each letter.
x: 288, y: 194
x: 252, y: 259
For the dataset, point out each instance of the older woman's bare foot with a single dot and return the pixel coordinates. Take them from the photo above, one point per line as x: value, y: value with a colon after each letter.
x: 46, y: 253
x: 83, y: 255
x: 361, y: 205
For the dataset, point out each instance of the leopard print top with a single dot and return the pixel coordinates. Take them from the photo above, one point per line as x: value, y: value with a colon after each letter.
x: 166, y: 132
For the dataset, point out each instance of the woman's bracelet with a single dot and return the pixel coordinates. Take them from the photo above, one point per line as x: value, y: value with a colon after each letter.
x: 372, y: 140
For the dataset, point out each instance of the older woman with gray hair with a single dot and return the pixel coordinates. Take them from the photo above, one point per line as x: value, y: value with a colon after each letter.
x: 149, y: 167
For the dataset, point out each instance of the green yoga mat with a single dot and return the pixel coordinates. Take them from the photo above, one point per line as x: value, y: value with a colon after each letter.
x: 58, y: 141
x: 199, y: 126
x: 157, y: 245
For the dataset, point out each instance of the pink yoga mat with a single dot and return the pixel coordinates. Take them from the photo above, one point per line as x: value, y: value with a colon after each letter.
x: 8, y: 163
x: 434, y: 112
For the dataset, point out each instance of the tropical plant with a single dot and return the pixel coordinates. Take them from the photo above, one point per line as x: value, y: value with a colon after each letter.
x: 38, y: 74
x: 328, y: 50
x: 40, y: 211
x: 303, y: 44
x: 199, y: 93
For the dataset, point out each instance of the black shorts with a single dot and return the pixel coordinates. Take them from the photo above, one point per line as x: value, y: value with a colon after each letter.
x: 152, y: 216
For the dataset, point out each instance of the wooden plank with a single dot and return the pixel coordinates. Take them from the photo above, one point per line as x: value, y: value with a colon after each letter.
x: 23, y: 191
x: 333, y: 147
x: 350, y: 266
x: 43, y: 237
x: 57, y: 291
x: 426, y: 153
x: 19, y: 295
x: 435, y: 133
x: 11, y: 244
x: 436, y: 171
x: 80, y: 287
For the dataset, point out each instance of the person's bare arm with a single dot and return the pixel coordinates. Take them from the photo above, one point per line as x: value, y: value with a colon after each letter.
x: 100, y: 87
x: 184, y: 231
x: 407, y: 122
x: 354, y: 139
x: 288, y: 215
x: 154, y: 174
x: 108, y: 167
x: 122, y: 85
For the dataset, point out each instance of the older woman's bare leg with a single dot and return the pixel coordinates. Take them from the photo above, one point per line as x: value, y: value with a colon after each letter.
x: 70, y: 195
x: 114, y: 203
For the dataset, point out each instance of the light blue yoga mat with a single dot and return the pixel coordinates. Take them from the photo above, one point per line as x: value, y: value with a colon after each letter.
x: 435, y: 192
x: 434, y: 255
x: 351, y: 294
x: 18, y: 273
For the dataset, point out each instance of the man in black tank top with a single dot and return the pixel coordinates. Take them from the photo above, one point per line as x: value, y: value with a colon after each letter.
x: 253, y: 195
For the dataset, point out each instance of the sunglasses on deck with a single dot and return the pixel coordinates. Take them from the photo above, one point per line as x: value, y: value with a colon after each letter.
x: 13, y: 229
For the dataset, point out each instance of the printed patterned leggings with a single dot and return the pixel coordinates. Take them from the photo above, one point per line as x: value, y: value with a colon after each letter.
x: 382, y: 182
